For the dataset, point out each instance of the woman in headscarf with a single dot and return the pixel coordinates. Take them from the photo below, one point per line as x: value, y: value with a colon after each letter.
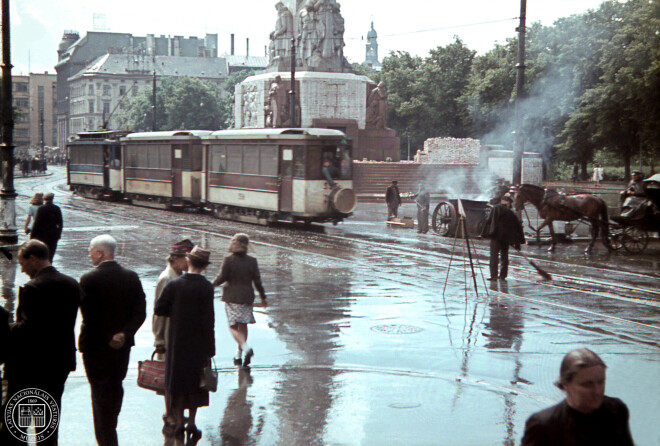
x: 586, y: 416
x: 36, y: 201
x: 240, y: 271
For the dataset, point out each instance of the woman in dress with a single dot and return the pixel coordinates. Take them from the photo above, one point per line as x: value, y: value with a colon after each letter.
x: 240, y: 271
x: 586, y: 416
x: 598, y: 174
x: 36, y: 201
x: 188, y: 301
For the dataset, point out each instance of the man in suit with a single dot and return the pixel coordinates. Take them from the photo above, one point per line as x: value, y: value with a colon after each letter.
x: 393, y: 200
x: 113, y: 308
x: 48, y: 224
x: 42, y: 340
x: 504, y: 229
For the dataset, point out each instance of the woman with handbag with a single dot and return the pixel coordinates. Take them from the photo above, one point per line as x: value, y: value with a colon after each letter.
x: 188, y: 301
x: 240, y: 271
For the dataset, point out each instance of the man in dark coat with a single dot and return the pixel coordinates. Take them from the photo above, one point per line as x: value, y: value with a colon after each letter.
x: 393, y: 200
x: 42, y: 341
x: 48, y: 224
x: 504, y: 229
x: 423, y: 201
x: 113, y: 308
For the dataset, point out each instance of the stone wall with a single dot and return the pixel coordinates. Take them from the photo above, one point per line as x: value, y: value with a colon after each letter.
x: 450, y: 151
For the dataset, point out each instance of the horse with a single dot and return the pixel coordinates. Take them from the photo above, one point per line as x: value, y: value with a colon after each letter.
x: 554, y: 206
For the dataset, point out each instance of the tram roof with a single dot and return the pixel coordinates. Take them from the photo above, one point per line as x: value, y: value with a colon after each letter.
x: 293, y: 133
x: 144, y: 136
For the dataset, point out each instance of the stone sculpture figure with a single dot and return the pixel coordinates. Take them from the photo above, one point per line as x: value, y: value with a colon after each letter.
x: 326, y: 27
x: 377, y: 107
x: 283, y: 31
x: 277, y: 104
x: 338, y: 33
x: 308, y: 37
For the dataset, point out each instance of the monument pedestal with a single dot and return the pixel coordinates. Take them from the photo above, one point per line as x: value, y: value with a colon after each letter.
x: 324, y: 100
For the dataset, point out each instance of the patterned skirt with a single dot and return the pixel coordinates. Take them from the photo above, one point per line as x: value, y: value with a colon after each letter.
x: 238, y: 313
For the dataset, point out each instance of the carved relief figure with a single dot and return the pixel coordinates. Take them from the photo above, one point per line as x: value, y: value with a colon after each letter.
x: 283, y: 30
x: 326, y: 27
x: 377, y: 107
x: 277, y: 109
x: 338, y: 31
x: 308, y: 37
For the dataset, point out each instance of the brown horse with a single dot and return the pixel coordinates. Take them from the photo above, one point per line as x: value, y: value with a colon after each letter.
x: 554, y: 206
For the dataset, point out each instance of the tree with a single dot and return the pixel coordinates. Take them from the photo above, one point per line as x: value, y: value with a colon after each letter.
x: 227, y: 96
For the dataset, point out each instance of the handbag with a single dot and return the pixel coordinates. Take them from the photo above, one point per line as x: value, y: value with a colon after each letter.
x: 209, y: 379
x: 151, y: 374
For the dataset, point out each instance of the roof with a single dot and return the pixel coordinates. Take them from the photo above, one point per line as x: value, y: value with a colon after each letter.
x: 247, y: 61
x: 146, y: 136
x: 174, y: 66
x: 273, y: 133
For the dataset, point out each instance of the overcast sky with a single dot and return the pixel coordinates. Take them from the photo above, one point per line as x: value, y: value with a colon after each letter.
x: 415, y: 26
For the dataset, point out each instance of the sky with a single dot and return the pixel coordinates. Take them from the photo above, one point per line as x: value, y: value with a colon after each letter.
x: 415, y: 26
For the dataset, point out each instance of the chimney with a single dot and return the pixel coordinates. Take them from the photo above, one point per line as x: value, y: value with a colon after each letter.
x: 232, y: 44
x: 247, y: 50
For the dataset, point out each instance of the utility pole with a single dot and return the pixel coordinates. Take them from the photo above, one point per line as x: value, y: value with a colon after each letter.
x: 41, y: 134
x: 292, y: 92
x: 520, y: 83
x: 8, y: 233
x: 154, y: 127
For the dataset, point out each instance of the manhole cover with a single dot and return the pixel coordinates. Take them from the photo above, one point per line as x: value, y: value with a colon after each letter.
x: 397, y: 329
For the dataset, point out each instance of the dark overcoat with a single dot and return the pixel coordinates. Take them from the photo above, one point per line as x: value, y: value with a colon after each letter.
x: 113, y: 301
x: 43, y: 336
x: 188, y: 301
x: 48, y: 224
x: 560, y: 425
x: 240, y: 271
x: 503, y: 224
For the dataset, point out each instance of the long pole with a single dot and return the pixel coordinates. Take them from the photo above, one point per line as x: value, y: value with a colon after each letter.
x: 520, y: 83
x: 154, y: 127
x: 292, y: 92
x: 8, y: 233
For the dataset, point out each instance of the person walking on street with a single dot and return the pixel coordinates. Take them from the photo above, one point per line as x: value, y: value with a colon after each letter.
x: 35, y: 203
x: 188, y: 302
x: 586, y: 416
x: 176, y: 265
x: 503, y: 228
x: 46, y: 313
x: 423, y: 201
x: 393, y: 200
x: 598, y: 175
x: 48, y: 224
x: 240, y: 271
x: 113, y: 308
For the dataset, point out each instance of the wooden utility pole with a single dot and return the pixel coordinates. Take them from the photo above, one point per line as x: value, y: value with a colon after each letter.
x: 519, y: 142
x: 292, y: 92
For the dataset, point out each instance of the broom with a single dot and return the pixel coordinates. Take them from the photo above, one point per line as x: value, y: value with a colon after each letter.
x: 543, y: 273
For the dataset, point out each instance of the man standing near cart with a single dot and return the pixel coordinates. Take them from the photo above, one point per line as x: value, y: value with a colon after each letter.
x: 503, y: 228
x: 423, y: 201
x: 393, y: 200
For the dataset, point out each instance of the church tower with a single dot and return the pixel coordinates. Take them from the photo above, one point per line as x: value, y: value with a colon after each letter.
x: 371, y: 58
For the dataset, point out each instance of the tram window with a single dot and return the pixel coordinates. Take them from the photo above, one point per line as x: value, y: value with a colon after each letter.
x: 131, y: 155
x: 268, y: 160
x: 299, y: 162
x: 142, y: 158
x: 153, y: 156
x: 164, y: 157
x: 115, y: 157
x: 234, y: 159
x: 196, y: 152
x: 251, y: 160
x: 218, y: 161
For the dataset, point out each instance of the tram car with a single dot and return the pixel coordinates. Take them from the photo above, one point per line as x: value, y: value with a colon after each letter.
x: 268, y: 175
x: 94, y: 167
x: 253, y: 175
x: 163, y: 169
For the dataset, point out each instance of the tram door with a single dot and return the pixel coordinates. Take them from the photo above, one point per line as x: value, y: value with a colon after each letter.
x: 180, y: 154
x: 286, y: 178
x: 106, y: 166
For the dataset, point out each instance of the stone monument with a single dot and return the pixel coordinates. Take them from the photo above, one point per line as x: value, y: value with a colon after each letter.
x: 328, y: 93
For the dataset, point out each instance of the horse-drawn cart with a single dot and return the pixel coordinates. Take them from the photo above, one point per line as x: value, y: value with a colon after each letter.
x: 445, y: 217
x: 639, y: 217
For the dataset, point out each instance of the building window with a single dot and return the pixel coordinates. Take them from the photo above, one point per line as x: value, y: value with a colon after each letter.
x: 22, y: 87
x: 91, y: 106
x: 22, y: 103
x: 122, y: 90
x: 135, y: 91
x: 106, y: 109
x: 106, y: 90
x: 91, y: 89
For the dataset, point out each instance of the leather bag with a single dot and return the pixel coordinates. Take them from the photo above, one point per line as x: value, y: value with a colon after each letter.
x: 151, y: 374
x: 209, y: 379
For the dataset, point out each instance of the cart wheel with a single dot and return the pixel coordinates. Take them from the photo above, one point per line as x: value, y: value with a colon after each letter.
x: 616, y: 237
x: 634, y: 239
x: 444, y: 219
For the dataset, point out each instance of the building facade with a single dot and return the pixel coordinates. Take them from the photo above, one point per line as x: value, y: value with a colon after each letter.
x: 35, y: 122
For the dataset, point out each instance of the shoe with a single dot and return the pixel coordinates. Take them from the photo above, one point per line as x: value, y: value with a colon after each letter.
x: 492, y: 278
x: 248, y: 358
x: 193, y: 433
x: 169, y: 429
x: 238, y: 361
x: 502, y: 278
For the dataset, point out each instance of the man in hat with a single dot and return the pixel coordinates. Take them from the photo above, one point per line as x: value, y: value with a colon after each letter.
x: 503, y: 228
x: 113, y: 308
x: 636, y: 186
x: 48, y: 224
x: 393, y: 200
x: 176, y: 265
